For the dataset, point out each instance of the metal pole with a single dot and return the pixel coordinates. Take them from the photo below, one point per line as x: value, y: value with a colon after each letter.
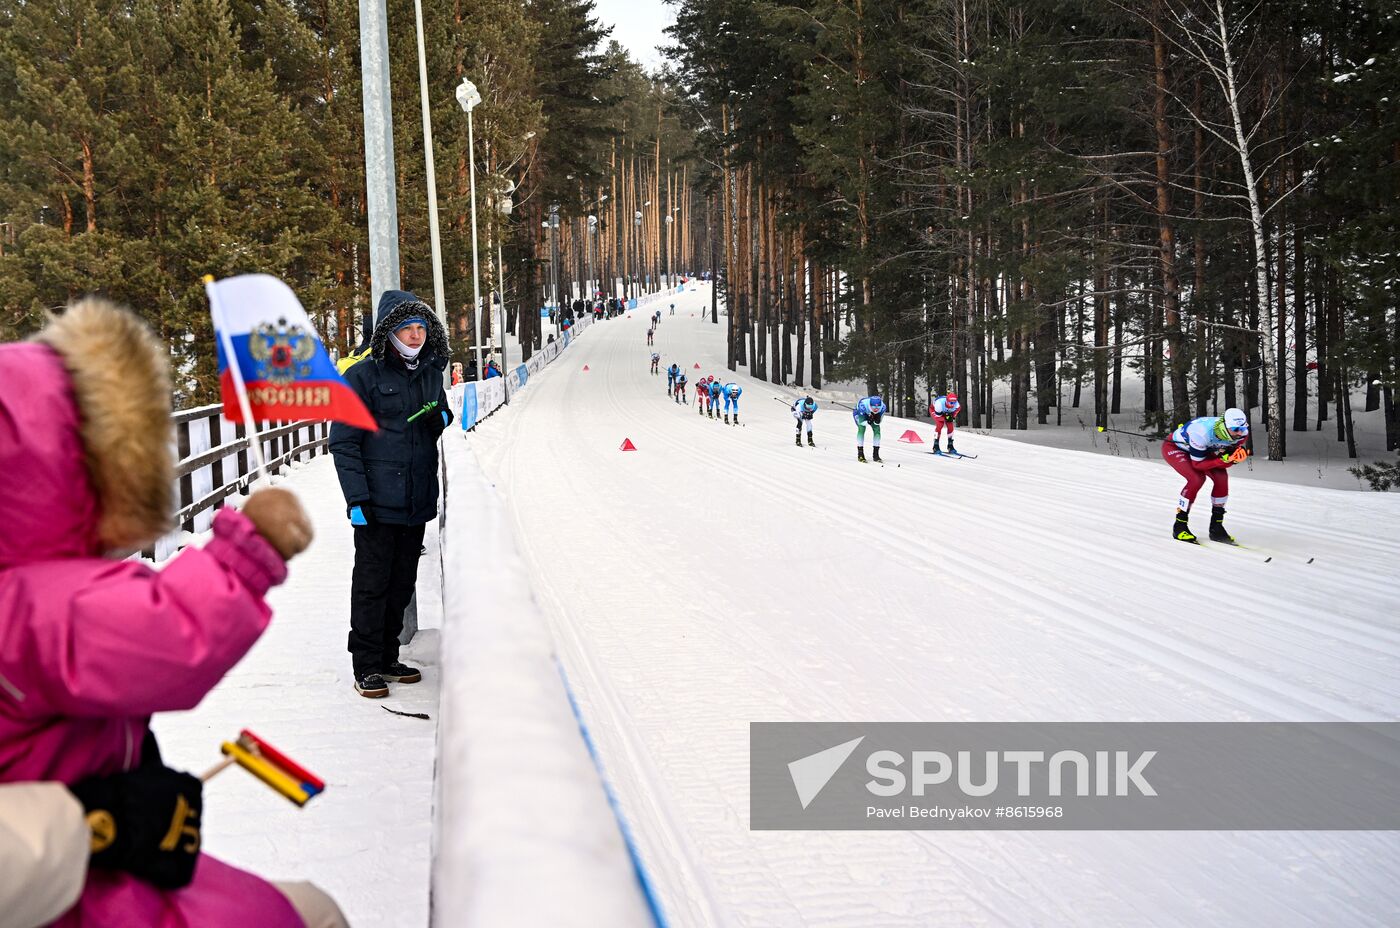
x: 439, y: 297
x: 476, y: 266
x: 379, y: 150
x: 501, y: 290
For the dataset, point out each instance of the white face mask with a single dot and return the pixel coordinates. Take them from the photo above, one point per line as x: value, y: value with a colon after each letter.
x: 407, y: 353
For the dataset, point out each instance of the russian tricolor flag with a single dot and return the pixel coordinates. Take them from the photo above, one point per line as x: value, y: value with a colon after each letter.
x: 278, y: 358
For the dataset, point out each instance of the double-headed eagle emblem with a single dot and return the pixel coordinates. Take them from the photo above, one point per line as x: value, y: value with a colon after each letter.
x: 282, y: 352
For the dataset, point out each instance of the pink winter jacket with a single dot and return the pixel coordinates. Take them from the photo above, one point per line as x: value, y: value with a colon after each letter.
x: 90, y: 646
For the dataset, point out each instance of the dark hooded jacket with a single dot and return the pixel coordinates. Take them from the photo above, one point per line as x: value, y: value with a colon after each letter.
x: 392, y: 473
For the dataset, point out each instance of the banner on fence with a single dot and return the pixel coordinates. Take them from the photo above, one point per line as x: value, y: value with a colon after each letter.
x: 467, y: 415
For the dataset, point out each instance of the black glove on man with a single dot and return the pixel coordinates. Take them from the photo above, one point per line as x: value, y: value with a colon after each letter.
x: 146, y: 821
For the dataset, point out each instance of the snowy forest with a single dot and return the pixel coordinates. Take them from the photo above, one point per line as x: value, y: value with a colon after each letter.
x: 1195, y: 201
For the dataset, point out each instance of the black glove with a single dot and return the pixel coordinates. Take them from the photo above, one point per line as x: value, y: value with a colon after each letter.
x: 145, y: 822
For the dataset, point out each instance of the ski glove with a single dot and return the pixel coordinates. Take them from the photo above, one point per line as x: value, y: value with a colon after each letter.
x: 357, y: 516
x: 1237, y: 456
x: 145, y: 822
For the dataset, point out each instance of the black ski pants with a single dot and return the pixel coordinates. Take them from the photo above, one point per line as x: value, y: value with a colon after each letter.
x: 381, y: 586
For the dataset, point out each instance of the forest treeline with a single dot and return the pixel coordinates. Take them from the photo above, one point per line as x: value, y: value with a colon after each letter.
x: 1061, y: 196
x: 145, y: 143
x: 1195, y: 202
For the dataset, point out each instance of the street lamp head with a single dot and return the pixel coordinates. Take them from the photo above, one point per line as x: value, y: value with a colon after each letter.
x: 467, y: 95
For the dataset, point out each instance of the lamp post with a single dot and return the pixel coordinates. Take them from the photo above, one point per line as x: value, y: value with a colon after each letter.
x: 468, y: 97
x: 592, y: 232
x: 637, y: 253
x: 504, y: 205
x: 434, y: 241
x: 668, y: 249
x: 553, y: 224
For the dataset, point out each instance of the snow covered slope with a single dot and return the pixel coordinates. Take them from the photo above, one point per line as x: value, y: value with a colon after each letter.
x: 719, y: 575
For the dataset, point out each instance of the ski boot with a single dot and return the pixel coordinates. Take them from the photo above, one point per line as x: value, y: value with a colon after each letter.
x: 736, y: 418
x: 726, y: 418
x: 810, y: 442
x: 1217, y: 526
x: 951, y: 449
x: 1181, y: 531
x: 936, y: 448
x: 860, y: 453
x: 798, y: 440
x: 876, y: 456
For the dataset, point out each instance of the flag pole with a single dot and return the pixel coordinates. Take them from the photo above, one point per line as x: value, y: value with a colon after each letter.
x: 221, y: 327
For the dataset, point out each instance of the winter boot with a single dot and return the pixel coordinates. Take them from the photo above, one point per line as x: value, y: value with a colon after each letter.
x: 401, y: 673
x: 876, y: 456
x: 1217, y: 526
x: 860, y: 453
x: 371, y: 685
x: 810, y: 442
x: 1181, y: 531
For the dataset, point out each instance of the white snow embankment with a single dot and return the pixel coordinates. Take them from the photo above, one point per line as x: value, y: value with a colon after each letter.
x: 524, y: 832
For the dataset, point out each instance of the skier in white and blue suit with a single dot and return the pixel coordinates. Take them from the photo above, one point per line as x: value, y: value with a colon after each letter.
x: 803, y: 410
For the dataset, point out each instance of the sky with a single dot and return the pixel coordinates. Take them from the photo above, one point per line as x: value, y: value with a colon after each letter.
x: 637, y: 25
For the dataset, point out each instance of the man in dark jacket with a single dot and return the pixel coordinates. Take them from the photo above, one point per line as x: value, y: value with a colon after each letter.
x: 389, y: 479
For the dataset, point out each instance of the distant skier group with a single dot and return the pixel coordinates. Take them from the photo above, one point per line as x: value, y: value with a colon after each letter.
x: 710, y: 391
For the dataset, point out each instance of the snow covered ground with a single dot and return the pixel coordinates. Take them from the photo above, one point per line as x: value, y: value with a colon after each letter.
x: 718, y: 576
x: 366, y: 839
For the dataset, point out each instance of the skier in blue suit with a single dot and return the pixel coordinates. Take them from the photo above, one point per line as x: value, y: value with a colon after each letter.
x: 716, y: 391
x: 868, y: 411
x: 731, y: 397
x: 671, y: 373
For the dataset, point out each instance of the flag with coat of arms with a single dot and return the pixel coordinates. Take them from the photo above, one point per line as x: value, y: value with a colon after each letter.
x: 272, y: 363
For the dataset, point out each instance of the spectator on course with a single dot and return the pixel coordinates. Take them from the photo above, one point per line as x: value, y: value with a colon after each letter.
x: 390, y: 481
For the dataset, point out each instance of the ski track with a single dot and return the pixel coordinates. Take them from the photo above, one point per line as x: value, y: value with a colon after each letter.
x: 720, y: 575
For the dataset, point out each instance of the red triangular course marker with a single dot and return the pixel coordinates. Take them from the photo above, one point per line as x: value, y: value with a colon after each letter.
x: 585, y: 367
x: 627, y: 445
x: 697, y: 366
x: 911, y: 437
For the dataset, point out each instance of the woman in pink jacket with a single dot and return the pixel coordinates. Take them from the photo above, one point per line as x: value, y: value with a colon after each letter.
x: 92, y: 644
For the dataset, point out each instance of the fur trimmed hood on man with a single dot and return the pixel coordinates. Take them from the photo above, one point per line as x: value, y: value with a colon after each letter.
x: 397, y: 306
x: 84, y: 437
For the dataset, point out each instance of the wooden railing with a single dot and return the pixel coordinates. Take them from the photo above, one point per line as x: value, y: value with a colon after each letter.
x: 213, y: 464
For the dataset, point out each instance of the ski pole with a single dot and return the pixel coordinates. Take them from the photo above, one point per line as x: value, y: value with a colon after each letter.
x: 1134, y: 434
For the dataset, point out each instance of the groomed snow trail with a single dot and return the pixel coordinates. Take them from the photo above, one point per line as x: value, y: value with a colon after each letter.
x: 720, y: 575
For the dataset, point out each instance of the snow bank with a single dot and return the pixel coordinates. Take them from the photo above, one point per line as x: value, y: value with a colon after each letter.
x: 524, y: 834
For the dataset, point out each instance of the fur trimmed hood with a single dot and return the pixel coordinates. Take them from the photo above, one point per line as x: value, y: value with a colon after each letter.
x: 394, y: 307
x: 85, y: 459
